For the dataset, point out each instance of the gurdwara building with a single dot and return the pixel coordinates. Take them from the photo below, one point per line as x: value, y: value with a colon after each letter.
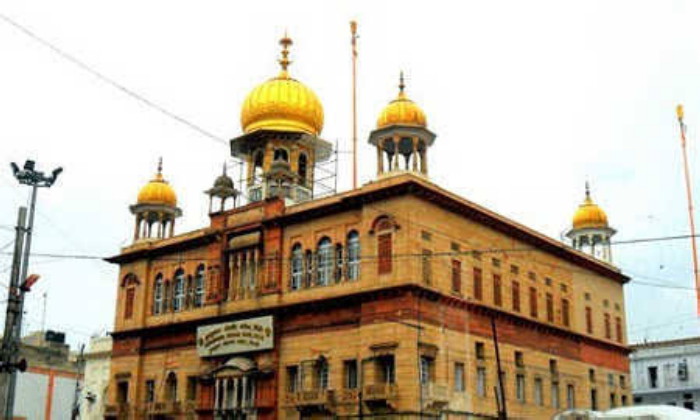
x: 381, y: 301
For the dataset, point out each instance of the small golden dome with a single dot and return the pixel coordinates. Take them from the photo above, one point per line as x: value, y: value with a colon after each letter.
x: 157, y: 191
x: 402, y: 111
x: 589, y: 215
x: 282, y: 103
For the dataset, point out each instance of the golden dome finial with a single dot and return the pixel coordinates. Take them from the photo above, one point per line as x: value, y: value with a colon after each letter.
x: 588, y: 191
x: 402, y: 110
x: 589, y: 214
x: 402, y: 84
x: 158, y: 191
x: 679, y: 112
x: 285, y: 42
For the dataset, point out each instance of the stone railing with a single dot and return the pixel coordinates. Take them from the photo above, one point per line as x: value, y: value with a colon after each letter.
x: 312, y: 397
x: 120, y: 410
x: 435, y: 394
x: 347, y: 395
x: 380, y: 392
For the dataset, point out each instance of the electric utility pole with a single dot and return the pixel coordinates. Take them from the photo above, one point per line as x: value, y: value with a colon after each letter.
x: 20, y: 283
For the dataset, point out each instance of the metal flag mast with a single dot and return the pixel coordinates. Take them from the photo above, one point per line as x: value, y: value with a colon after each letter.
x: 688, y: 189
x: 354, y: 36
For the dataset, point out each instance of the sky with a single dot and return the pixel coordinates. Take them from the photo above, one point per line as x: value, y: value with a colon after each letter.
x: 528, y: 100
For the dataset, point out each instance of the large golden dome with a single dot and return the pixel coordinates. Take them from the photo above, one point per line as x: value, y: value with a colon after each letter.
x: 589, y: 215
x: 282, y: 103
x: 402, y: 111
x: 157, y: 191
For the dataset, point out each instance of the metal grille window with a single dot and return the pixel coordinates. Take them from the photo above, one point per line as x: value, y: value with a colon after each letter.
x: 426, y: 365
x: 555, y: 394
x: 322, y: 374
x: 520, y: 387
x: 481, y: 381
x: 353, y: 270
x: 324, y: 262
x: 158, y: 295
x: 150, y: 391
x: 199, y: 287
x: 179, y: 291
x: 538, y: 392
x: 459, y: 377
x: 570, y: 397
x: 297, y: 267
x: 339, y: 263
x: 350, y: 373
x: 309, y: 268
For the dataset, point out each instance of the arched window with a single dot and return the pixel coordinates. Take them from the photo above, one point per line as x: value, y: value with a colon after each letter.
x: 324, y: 267
x: 339, y: 261
x: 297, y: 267
x: 302, y: 168
x: 322, y: 373
x: 199, y: 287
x: 281, y: 154
x: 309, y: 268
x: 158, y: 295
x: 171, y: 387
x: 384, y: 228
x: 353, y: 269
x: 258, y: 158
x: 179, y: 291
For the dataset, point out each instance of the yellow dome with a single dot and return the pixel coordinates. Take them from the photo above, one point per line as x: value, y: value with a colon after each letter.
x: 589, y: 215
x: 157, y: 191
x: 402, y: 111
x: 282, y: 104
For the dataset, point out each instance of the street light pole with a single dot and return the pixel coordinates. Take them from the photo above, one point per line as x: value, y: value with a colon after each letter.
x: 28, y: 175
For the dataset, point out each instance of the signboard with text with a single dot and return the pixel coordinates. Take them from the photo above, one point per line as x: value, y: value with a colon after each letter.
x: 235, y: 337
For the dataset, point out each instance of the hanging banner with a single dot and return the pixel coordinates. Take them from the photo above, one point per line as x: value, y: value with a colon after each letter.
x: 235, y: 337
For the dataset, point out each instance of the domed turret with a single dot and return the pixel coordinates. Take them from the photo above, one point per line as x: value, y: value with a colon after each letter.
x: 402, y: 137
x: 223, y: 189
x: 282, y: 103
x: 590, y: 231
x: 281, y: 121
x: 402, y: 111
x: 156, y: 205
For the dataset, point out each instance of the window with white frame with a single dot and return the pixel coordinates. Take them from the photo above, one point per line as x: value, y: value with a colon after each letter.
x: 179, y: 291
x: 322, y: 373
x: 297, y: 267
x: 539, y: 400
x: 459, y: 377
x: 199, y: 287
x: 520, y: 387
x: 158, y: 295
x: 353, y: 269
x: 324, y: 259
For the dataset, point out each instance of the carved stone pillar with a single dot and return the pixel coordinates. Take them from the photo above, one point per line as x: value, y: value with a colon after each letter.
x: 414, y: 154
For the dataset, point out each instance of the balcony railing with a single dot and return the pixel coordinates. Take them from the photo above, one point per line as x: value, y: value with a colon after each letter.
x: 165, y: 407
x: 347, y: 395
x: 313, y: 397
x: 120, y: 410
x: 380, y: 392
x: 434, y: 394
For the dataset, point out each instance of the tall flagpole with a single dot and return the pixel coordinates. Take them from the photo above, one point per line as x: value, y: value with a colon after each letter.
x: 353, y: 33
x: 688, y: 188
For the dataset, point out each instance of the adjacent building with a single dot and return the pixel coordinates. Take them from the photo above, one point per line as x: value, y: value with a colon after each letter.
x: 96, y: 378
x: 46, y: 391
x: 375, y: 302
x: 667, y: 372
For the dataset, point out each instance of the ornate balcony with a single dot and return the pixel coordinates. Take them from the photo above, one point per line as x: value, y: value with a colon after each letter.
x: 161, y: 408
x: 347, y: 396
x: 120, y: 410
x: 380, y: 392
x: 311, y: 398
x: 434, y: 395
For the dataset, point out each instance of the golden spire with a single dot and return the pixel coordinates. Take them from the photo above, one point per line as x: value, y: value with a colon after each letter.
x: 588, y: 192
x: 159, y: 174
x: 402, y: 86
x: 285, y: 42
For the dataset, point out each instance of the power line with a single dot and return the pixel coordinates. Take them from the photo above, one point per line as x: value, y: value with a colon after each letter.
x: 101, y: 76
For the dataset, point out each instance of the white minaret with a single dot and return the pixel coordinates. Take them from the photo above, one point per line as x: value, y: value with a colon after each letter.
x: 590, y: 232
